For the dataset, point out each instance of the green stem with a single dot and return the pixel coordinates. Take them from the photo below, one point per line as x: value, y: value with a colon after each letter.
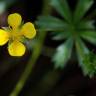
x: 36, y: 53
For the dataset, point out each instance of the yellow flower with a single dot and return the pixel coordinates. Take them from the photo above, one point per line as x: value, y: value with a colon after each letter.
x: 15, y: 33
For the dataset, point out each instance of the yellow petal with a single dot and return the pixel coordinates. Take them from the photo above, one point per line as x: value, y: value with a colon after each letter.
x: 28, y: 30
x: 16, y: 48
x: 14, y: 20
x: 4, y: 37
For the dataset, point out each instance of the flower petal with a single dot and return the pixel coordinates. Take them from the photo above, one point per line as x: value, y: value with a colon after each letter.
x: 16, y: 48
x: 28, y: 30
x: 4, y: 37
x: 14, y: 20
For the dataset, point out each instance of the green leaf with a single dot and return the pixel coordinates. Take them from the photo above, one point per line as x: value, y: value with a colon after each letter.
x: 50, y: 23
x: 62, y: 8
x: 63, y: 53
x: 81, y: 8
x: 81, y: 51
x: 85, y: 25
x: 89, y: 64
x: 60, y: 35
x: 89, y: 36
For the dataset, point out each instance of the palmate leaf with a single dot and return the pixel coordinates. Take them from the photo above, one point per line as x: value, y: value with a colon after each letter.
x: 89, y: 36
x: 62, y: 8
x: 85, y: 25
x: 50, y: 23
x: 81, y: 8
x: 63, y: 53
x: 81, y: 51
x: 60, y: 35
x: 89, y: 64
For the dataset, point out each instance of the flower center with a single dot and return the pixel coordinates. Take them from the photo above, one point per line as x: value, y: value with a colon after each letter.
x: 15, y: 35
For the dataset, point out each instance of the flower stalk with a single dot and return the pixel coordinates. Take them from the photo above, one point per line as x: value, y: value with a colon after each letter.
x: 36, y: 53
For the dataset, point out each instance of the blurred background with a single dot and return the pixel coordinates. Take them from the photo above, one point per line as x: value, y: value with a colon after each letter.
x: 44, y: 79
